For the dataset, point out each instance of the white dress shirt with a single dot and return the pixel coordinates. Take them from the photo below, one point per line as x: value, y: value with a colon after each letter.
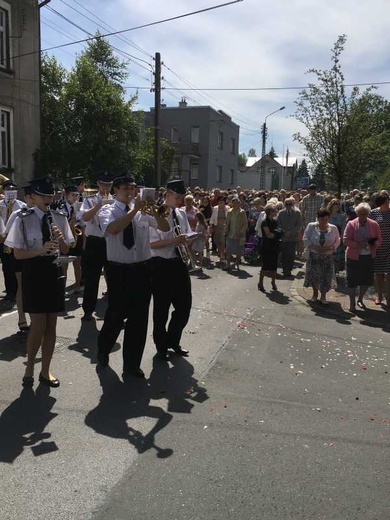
x: 92, y: 227
x: 116, y: 251
x: 157, y: 235
x: 12, y: 219
x: 26, y: 231
x: 312, y: 235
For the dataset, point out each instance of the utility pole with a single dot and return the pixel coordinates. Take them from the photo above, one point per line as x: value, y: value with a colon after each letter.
x: 157, y: 108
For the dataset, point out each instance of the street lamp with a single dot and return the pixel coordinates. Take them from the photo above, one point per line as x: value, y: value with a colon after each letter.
x: 264, y: 139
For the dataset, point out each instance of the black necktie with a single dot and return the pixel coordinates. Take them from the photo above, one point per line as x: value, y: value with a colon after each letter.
x: 128, y: 233
x: 46, y: 235
x: 175, y: 219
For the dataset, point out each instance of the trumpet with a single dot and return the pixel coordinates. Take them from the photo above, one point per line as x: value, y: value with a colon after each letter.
x: 149, y: 207
x: 75, y: 228
x: 183, y: 249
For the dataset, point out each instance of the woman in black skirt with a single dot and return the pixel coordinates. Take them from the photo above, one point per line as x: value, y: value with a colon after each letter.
x: 37, y: 237
x: 269, y: 248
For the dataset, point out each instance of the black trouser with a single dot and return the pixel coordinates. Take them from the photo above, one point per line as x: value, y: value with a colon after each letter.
x: 10, y: 282
x: 287, y: 250
x: 171, y: 285
x: 129, y: 293
x: 94, y: 260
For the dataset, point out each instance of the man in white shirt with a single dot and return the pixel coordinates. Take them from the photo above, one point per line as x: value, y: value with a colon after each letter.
x: 126, y: 231
x: 95, y: 256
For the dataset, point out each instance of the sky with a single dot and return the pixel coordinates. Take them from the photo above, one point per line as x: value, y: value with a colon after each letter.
x: 249, y: 44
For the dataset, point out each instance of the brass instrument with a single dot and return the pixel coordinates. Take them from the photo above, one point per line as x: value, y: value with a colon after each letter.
x: 75, y: 228
x: 183, y: 249
x: 8, y: 250
x: 149, y: 207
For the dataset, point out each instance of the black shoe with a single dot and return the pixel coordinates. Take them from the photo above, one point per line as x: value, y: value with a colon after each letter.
x: 260, y: 286
x: 102, y: 359
x: 27, y: 381
x: 135, y: 372
x: 53, y: 383
x: 180, y: 351
x: 162, y: 354
x: 87, y: 317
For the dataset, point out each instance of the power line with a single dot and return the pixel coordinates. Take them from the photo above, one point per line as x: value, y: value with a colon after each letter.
x: 151, y: 24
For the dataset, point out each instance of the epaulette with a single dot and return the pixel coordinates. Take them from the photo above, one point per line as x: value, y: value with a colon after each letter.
x: 25, y: 212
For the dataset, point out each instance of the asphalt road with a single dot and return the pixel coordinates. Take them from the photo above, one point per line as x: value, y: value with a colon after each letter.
x: 277, y: 414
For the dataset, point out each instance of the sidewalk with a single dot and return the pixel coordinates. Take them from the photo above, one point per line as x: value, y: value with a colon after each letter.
x: 373, y: 315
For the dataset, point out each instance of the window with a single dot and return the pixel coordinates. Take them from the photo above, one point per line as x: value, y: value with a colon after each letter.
x: 4, y: 37
x: 231, y: 176
x: 233, y: 146
x: 220, y: 140
x: 195, y: 131
x: 219, y: 173
x: 174, y: 169
x: 5, y: 138
x: 174, y: 134
x: 194, y: 171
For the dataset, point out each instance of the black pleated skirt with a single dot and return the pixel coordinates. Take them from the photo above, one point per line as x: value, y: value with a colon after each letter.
x: 43, y: 289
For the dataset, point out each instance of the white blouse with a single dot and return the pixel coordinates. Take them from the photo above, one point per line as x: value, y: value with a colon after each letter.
x: 312, y: 235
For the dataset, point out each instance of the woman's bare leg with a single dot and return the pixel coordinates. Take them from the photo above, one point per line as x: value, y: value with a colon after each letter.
x: 48, y: 344
x: 34, y: 340
x: 19, y: 300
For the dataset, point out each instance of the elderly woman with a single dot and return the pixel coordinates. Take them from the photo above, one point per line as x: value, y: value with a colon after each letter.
x: 190, y: 210
x: 218, y: 227
x: 236, y: 224
x: 269, y: 247
x: 362, y: 238
x: 321, y: 239
x: 382, y: 261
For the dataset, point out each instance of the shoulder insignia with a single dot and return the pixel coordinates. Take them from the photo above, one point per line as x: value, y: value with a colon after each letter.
x: 25, y: 212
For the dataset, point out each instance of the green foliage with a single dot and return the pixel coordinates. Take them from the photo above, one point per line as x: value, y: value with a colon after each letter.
x: 252, y: 152
x: 88, y: 125
x: 347, y: 133
x: 272, y: 153
x: 303, y: 170
x: 242, y: 158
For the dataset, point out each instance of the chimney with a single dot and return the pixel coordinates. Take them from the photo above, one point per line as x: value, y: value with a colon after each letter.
x: 183, y: 102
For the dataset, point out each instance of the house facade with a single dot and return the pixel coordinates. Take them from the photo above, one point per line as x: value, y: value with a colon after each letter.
x: 206, y: 143
x: 267, y: 173
x: 19, y: 88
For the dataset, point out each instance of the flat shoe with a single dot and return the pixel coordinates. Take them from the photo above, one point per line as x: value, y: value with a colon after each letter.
x: 324, y: 302
x: 27, y: 381
x: 313, y: 300
x: 135, y: 372
x: 352, y: 310
x: 53, y: 383
x: 361, y: 305
x: 180, y: 351
x: 260, y: 286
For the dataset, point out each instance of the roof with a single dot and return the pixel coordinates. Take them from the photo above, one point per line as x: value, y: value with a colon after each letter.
x: 281, y: 160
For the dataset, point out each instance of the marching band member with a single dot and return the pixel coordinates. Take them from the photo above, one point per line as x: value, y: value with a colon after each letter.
x: 68, y: 206
x: 126, y: 230
x: 17, y: 264
x: 171, y: 284
x: 95, y: 256
x: 79, y: 182
x: 37, y: 237
x: 9, y: 205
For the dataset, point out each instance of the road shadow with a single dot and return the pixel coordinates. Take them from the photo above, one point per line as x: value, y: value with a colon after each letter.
x: 13, y: 347
x: 119, y: 404
x: 278, y: 297
x: 175, y: 382
x: 86, y: 341
x: 332, y: 311
x: 24, y: 422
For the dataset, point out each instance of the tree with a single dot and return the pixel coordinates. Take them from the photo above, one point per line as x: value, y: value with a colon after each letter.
x: 252, y: 152
x: 303, y: 170
x: 55, y: 113
x: 242, y: 158
x: 344, y: 130
x: 272, y: 153
x: 319, y: 177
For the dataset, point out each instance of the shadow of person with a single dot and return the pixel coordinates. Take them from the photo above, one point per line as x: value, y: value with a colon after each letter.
x: 24, y: 422
x: 86, y: 341
x: 122, y: 401
x: 13, y: 346
x: 278, y: 297
x: 176, y: 383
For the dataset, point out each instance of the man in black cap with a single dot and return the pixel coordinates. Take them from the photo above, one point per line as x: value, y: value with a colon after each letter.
x: 10, y: 204
x: 126, y: 231
x: 95, y: 256
x: 80, y: 183
x: 171, y: 283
